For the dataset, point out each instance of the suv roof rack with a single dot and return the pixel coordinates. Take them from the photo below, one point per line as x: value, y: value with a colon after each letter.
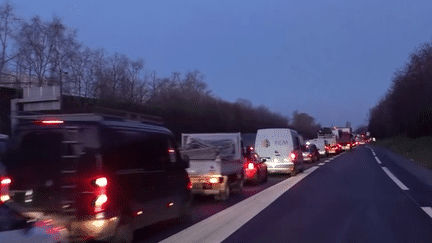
x: 101, y: 112
x: 127, y: 115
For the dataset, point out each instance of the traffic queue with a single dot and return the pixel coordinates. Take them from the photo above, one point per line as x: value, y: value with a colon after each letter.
x: 101, y: 177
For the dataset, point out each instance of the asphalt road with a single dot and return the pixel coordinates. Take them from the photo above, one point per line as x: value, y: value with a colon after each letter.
x: 204, y: 207
x: 353, y: 197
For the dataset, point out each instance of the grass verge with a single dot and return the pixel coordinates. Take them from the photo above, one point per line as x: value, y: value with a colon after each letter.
x: 419, y: 149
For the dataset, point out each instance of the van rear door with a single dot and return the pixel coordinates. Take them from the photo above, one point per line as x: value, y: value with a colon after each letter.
x: 34, y: 165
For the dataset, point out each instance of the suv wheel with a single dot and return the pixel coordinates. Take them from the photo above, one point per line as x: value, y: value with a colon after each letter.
x: 294, y: 172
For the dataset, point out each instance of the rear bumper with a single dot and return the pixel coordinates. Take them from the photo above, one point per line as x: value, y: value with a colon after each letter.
x: 79, y: 230
x: 284, y: 168
x: 202, y: 187
x: 97, y: 229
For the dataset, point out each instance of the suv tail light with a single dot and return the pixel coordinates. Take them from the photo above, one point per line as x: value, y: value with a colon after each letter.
x: 4, y: 189
x: 293, y: 156
x: 101, y: 200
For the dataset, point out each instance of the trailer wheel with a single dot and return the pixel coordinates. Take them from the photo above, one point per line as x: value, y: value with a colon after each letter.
x: 224, y: 195
x: 240, y: 186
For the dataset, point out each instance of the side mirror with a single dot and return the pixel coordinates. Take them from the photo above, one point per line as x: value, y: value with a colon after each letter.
x: 186, y: 160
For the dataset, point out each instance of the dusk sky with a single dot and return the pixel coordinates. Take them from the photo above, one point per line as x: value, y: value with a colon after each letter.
x: 331, y: 59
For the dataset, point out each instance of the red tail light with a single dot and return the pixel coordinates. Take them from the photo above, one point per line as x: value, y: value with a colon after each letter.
x: 189, y: 183
x: 4, y: 189
x: 101, y: 198
x: 250, y: 166
x: 48, y: 122
x: 293, y: 156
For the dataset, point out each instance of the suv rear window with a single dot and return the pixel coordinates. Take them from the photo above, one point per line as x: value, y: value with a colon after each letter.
x: 35, y: 154
x: 129, y: 150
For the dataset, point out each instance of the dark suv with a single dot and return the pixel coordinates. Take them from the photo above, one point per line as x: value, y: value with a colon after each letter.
x: 99, y: 177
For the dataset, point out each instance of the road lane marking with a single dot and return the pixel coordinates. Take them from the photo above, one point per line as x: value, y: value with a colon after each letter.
x: 218, y: 227
x: 321, y: 164
x: 378, y: 160
x: 396, y: 180
x: 327, y: 160
x: 428, y: 210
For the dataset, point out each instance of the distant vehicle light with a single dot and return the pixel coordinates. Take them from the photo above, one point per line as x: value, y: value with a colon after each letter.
x: 293, y: 156
x: 251, y: 148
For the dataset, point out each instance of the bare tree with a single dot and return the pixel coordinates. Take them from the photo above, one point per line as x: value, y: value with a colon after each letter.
x: 8, y: 24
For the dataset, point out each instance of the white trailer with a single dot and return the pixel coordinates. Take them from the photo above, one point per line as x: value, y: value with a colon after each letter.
x: 216, y: 163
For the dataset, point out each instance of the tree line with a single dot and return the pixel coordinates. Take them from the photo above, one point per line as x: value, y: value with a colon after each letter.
x: 406, y: 108
x: 36, y: 53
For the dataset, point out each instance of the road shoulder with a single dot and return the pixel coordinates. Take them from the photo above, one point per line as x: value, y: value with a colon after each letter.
x: 421, y: 173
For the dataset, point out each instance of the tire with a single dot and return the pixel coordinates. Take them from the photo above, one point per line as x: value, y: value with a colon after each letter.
x: 224, y: 195
x: 186, y: 215
x: 265, y: 178
x: 240, y: 186
x: 294, y: 172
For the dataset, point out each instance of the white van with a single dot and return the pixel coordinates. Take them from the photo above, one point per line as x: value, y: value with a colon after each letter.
x: 321, y: 144
x: 280, y: 148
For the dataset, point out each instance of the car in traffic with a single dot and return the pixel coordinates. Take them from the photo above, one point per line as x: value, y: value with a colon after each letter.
x: 334, y: 148
x: 16, y: 227
x: 280, y: 148
x: 255, y: 169
x: 321, y: 145
x: 100, y: 176
x: 310, y: 153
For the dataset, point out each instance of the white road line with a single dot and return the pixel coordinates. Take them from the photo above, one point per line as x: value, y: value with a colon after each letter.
x: 396, y: 180
x: 428, y: 210
x: 218, y: 227
x: 321, y: 164
x: 327, y: 160
x: 378, y: 160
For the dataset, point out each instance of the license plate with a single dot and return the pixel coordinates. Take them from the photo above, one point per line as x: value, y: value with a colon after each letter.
x: 197, y: 186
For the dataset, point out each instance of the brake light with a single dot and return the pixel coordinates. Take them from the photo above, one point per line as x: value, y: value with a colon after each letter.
x: 4, y: 189
x: 6, y: 181
x: 293, y: 156
x: 250, y: 166
x: 48, y: 122
x: 101, y: 198
x: 189, y: 186
x: 101, y: 182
